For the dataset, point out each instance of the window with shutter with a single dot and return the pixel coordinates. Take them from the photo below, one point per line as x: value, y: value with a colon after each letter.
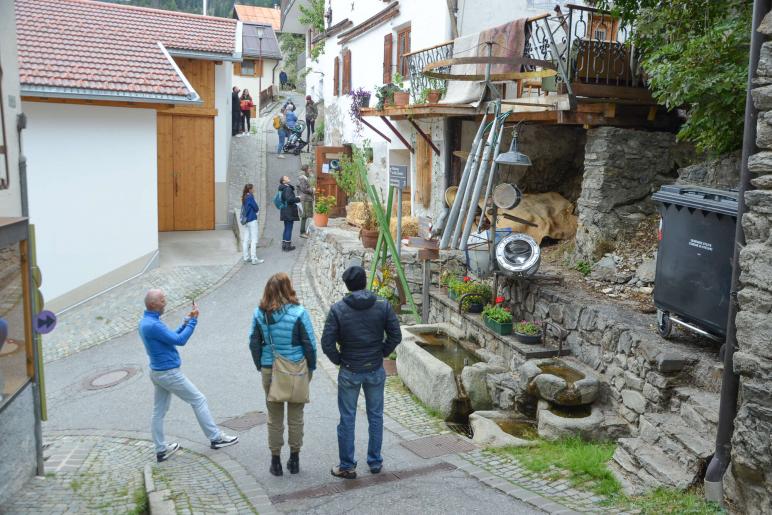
x: 247, y: 67
x: 387, y: 48
x: 346, y: 72
x: 403, y: 47
x: 336, y: 77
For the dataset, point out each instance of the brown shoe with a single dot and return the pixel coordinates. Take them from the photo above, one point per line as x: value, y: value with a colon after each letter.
x: 343, y: 474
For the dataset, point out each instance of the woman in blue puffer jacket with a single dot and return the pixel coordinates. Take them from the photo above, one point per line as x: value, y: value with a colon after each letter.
x: 281, y: 319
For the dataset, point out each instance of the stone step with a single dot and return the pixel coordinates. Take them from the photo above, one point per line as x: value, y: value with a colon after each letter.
x: 654, y: 468
x: 698, y: 408
x: 679, y: 441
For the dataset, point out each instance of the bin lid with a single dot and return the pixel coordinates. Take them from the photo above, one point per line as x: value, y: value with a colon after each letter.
x: 706, y: 199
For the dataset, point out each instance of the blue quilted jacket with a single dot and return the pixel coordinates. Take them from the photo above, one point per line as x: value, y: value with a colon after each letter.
x: 291, y: 332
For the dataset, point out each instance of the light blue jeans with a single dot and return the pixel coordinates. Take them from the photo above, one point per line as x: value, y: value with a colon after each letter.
x: 173, y: 381
x: 349, y: 384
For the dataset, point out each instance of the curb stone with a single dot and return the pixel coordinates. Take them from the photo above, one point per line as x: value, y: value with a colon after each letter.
x: 159, y: 502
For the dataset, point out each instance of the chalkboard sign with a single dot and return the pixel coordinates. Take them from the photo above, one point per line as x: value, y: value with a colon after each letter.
x: 398, y: 176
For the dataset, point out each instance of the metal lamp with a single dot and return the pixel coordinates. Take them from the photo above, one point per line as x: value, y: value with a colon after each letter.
x: 260, y: 31
x: 513, y: 157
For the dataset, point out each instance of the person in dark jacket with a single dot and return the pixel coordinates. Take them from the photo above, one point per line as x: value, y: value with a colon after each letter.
x: 289, y: 213
x: 235, y: 112
x: 353, y: 338
x: 292, y: 336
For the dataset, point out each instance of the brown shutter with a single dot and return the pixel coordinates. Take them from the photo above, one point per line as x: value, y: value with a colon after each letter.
x: 237, y: 69
x: 259, y: 67
x: 387, y: 44
x: 346, y: 71
x: 336, y: 77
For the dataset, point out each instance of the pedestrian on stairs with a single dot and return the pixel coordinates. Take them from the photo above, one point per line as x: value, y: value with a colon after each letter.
x: 289, y: 211
x: 161, y: 346
x: 283, y: 347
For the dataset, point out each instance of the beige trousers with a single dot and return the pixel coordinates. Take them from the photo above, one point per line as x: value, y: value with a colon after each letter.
x: 276, y: 420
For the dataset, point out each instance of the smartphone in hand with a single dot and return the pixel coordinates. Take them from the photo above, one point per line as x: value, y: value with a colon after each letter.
x: 193, y: 309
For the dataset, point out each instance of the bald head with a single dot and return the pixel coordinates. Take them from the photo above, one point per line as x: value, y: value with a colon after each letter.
x: 155, y: 300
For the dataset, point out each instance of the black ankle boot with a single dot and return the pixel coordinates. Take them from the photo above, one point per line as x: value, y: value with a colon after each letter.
x: 276, y: 466
x: 283, y: 245
x: 293, y: 464
x: 290, y: 246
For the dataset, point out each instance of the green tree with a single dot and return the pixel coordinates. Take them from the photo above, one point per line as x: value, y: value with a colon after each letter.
x: 292, y: 45
x: 313, y: 16
x: 695, y: 55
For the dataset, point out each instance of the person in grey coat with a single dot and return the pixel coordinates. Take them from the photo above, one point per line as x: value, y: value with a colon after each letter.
x: 306, y: 199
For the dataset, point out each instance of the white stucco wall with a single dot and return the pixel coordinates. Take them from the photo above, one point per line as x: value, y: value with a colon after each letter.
x: 92, y: 190
x: 253, y: 83
x: 223, y: 75
x: 10, y: 198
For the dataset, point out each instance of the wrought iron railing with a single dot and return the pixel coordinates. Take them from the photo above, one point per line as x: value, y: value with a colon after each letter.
x: 590, y: 45
x: 418, y: 60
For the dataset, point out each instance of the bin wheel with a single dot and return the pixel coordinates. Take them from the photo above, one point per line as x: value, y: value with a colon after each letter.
x: 664, y: 325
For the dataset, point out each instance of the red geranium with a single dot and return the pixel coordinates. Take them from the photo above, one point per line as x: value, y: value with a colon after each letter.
x: 500, y: 299
x: 467, y: 278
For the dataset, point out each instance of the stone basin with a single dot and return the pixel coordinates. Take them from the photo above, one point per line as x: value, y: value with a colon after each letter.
x: 488, y: 429
x: 585, y: 422
x: 557, y: 381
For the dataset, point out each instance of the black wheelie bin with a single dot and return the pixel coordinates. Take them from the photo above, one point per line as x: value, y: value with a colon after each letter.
x: 694, y: 260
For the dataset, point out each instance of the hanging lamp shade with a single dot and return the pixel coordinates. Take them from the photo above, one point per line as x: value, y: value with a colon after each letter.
x: 513, y: 157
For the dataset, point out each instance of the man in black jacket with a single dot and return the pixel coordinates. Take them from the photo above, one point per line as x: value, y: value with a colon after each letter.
x: 357, y: 325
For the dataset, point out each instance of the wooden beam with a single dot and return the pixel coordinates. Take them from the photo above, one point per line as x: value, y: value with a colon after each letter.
x: 105, y: 103
x: 424, y: 136
x: 602, y: 91
x: 375, y: 130
x: 399, y: 135
x: 370, y: 23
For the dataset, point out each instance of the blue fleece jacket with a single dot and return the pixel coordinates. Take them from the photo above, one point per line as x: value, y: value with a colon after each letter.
x: 291, y: 119
x: 250, y: 208
x: 161, y: 342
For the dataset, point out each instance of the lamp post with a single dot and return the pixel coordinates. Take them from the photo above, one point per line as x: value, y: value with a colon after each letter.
x: 260, y: 30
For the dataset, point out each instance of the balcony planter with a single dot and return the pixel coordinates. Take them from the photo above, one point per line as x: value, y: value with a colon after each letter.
x: 401, y: 98
x: 531, y: 339
x: 433, y: 96
x: 502, y: 329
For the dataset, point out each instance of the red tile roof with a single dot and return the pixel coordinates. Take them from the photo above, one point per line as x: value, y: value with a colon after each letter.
x: 84, y: 46
x: 259, y: 15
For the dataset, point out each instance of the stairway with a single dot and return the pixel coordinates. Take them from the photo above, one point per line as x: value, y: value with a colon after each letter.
x: 672, y: 448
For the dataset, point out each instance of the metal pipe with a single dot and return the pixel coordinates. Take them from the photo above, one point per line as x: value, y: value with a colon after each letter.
x: 467, y: 193
x: 453, y: 216
x: 485, y: 167
x: 494, y: 169
x: 731, y: 382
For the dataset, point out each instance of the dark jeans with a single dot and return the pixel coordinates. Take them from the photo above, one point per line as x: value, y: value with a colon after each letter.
x: 349, y: 384
x: 236, y: 122
x: 310, y: 129
x: 287, y: 230
x: 245, y: 120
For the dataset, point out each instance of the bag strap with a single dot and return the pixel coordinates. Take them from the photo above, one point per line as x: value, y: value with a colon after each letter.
x: 270, y: 338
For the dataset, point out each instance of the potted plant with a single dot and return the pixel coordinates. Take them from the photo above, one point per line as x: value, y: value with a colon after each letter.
x: 528, y: 332
x: 498, y: 318
x: 385, y: 287
x: 322, y: 210
x: 385, y: 95
x: 431, y: 94
x: 477, y: 295
x: 455, y: 285
x: 349, y: 179
x: 401, y: 96
x: 359, y: 98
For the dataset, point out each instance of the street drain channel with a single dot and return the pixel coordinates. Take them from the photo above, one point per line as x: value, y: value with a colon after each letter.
x: 339, y: 487
x: 245, y: 421
x: 110, y: 378
x: 440, y: 445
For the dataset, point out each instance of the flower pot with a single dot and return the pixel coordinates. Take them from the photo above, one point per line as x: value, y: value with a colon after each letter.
x: 401, y: 98
x: 475, y: 307
x: 369, y: 238
x: 503, y: 329
x: 527, y: 338
x: 320, y: 220
x: 364, y: 101
x: 433, y: 96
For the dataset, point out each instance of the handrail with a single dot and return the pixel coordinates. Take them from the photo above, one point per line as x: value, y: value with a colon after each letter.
x: 438, y: 45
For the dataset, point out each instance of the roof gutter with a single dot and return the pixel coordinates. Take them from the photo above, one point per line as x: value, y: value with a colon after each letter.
x: 105, y: 96
x: 193, y: 94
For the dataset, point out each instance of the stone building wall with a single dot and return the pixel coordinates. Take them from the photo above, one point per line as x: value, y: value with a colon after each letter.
x: 749, y: 481
x: 622, y: 168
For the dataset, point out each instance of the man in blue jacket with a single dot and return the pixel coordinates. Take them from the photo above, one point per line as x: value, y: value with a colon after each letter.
x: 161, y: 346
x: 357, y: 325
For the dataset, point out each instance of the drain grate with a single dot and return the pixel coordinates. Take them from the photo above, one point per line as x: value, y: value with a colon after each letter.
x: 339, y: 487
x: 440, y: 445
x: 245, y: 421
x: 464, y: 429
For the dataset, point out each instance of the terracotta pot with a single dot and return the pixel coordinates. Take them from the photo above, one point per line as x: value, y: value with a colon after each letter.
x: 369, y: 238
x: 433, y: 96
x: 401, y: 98
x: 320, y: 220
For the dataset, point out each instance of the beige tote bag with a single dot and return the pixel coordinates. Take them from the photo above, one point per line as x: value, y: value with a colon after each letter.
x: 289, y: 380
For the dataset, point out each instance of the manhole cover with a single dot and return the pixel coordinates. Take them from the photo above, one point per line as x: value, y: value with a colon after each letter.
x: 440, y: 445
x: 245, y: 421
x: 110, y: 378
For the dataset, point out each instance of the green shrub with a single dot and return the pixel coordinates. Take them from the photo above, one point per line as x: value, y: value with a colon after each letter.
x: 498, y: 314
x: 583, y: 267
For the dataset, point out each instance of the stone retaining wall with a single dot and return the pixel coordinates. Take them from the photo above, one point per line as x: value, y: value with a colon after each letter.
x: 749, y: 480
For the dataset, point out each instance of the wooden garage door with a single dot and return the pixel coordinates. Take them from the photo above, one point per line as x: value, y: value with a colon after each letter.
x: 185, y: 173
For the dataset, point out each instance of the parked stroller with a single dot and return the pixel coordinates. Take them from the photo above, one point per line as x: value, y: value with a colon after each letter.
x: 295, y: 142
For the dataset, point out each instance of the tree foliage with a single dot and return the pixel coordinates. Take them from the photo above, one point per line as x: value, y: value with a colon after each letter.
x: 221, y: 8
x: 313, y: 16
x: 695, y: 55
x: 292, y: 45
